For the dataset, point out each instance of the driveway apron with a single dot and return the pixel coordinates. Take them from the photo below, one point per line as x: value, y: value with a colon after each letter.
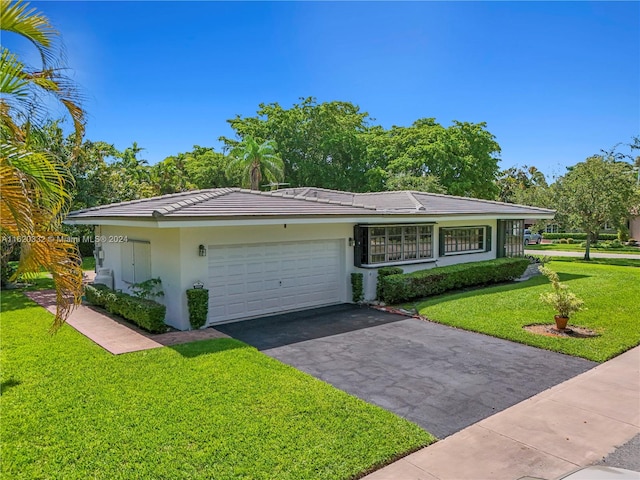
x: 442, y: 378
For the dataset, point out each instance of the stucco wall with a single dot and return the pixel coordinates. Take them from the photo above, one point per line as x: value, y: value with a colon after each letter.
x: 174, y: 255
x: 165, y: 263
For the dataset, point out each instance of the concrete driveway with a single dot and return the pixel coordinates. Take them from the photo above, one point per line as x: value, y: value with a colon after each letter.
x: 441, y: 378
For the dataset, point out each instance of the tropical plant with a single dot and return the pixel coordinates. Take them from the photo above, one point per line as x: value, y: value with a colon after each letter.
x: 561, y: 299
x: 34, y: 184
x: 257, y: 161
x: 149, y: 289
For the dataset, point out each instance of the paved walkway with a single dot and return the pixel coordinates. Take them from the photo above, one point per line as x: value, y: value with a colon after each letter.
x: 114, y: 335
x: 571, y: 425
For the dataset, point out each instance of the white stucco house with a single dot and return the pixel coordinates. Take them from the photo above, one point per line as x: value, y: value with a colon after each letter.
x: 260, y: 253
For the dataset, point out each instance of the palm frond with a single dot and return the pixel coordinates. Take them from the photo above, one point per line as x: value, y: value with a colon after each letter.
x: 16, y: 17
x: 13, y: 79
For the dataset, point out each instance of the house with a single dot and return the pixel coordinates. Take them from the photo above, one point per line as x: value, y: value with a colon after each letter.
x: 265, y: 252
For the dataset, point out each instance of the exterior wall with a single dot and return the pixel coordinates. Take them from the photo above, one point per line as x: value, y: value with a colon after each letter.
x: 175, y: 259
x: 370, y: 274
x: 164, y: 263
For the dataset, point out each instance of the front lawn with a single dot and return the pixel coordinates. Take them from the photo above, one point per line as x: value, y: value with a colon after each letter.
x: 211, y: 409
x: 610, y: 293
x: 575, y: 247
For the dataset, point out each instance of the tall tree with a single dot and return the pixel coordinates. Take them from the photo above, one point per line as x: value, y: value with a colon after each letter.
x: 131, y: 175
x: 257, y: 160
x: 34, y: 185
x: 524, y: 185
x: 321, y: 144
x: 463, y: 157
x: 596, y: 191
x: 207, y: 168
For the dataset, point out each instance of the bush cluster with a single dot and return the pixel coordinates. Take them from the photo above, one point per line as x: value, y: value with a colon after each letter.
x: 198, y: 302
x: 147, y: 314
x: 357, y: 287
x: 405, y: 287
x: 578, y: 236
x: 385, y: 272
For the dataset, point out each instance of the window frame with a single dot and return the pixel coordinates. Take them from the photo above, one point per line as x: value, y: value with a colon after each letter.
x: 485, y: 236
x: 393, y: 244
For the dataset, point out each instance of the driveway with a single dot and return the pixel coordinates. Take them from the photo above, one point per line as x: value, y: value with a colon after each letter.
x: 441, y: 378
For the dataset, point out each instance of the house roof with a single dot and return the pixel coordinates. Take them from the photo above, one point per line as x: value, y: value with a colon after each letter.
x: 224, y: 203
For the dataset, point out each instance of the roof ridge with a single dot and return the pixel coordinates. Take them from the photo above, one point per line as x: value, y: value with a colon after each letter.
x: 200, y: 196
x: 141, y: 200
x: 419, y: 206
x: 300, y: 196
x: 484, y: 200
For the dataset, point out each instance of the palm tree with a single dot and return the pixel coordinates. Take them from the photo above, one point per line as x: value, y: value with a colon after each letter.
x: 34, y: 185
x: 257, y: 161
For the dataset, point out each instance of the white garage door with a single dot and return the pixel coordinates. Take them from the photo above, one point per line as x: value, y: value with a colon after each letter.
x: 253, y: 280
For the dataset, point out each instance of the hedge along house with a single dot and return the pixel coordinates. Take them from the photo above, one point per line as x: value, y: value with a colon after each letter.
x: 261, y: 253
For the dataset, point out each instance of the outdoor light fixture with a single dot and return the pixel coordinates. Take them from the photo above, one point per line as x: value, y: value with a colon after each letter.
x: 202, y: 251
x: 198, y: 285
x: 351, y: 242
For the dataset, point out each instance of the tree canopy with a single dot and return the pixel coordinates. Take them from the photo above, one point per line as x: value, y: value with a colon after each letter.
x: 334, y: 145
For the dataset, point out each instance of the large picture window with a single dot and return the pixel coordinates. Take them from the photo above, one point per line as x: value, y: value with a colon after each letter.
x: 459, y: 240
x: 381, y: 244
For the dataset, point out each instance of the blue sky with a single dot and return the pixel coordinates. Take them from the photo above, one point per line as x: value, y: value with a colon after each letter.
x: 555, y: 81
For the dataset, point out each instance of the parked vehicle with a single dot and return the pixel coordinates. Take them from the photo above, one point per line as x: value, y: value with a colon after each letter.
x: 531, y: 237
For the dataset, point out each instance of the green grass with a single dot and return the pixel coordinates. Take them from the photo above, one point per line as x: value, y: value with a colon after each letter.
x: 575, y: 247
x: 610, y: 293
x: 211, y: 409
x: 89, y: 263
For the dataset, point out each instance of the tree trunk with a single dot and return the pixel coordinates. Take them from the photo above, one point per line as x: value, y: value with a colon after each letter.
x: 588, y: 246
x: 256, y: 176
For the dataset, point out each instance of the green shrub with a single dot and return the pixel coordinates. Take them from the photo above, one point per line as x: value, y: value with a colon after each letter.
x: 569, y: 240
x: 424, y: 283
x: 385, y: 272
x: 147, y: 314
x: 564, y: 240
x: 577, y: 236
x: 357, y: 289
x: 96, y: 294
x: 198, y: 301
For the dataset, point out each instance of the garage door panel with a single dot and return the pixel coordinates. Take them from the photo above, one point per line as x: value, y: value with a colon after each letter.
x: 255, y: 287
x: 252, y: 280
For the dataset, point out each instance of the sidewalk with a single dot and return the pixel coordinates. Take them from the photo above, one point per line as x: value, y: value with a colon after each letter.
x: 571, y: 425
x: 115, y: 336
x: 592, y: 254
